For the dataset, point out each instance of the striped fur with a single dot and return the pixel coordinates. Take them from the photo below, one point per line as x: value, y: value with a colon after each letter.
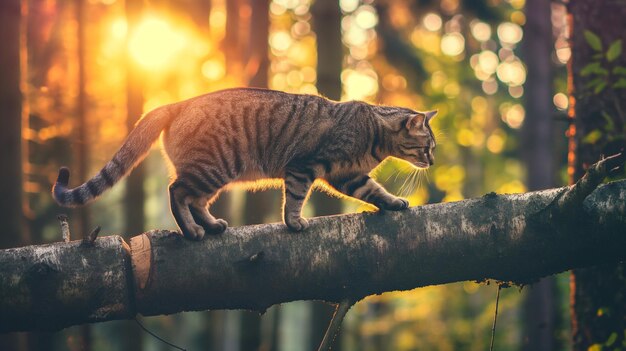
x: 245, y: 135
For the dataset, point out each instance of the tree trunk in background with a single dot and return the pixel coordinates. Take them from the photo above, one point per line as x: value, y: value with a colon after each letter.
x: 134, y: 199
x: 231, y: 45
x: 11, y: 219
x: 537, y: 138
x: 11, y: 140
x: 201, y: 15
x: 598, y: 295
x: 327, y: 26
x: 83, y: 146
x: 130, y: 333
x: 260, y: 205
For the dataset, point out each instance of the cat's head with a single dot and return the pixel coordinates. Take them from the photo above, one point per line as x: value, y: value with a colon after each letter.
x: 415, y: 141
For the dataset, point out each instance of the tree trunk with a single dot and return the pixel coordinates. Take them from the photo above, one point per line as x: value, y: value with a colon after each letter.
x: 83, y: 146
x: 327, y: 26
x: 539, y: 307
x: 11, y: 131
x: 134, y: 198
x: 515, y: 238
x: 11, y: 139
x: 598, y: 295
x: 260, y: 205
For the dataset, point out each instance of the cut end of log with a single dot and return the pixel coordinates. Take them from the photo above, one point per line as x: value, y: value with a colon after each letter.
x: 141, y: 260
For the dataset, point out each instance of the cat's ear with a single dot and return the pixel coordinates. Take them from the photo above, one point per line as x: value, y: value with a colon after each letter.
x: 430, y: 114
x: 415, y: 121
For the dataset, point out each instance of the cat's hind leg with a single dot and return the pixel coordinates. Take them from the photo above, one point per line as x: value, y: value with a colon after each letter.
x: 181, y: 195
x: 202, y: 216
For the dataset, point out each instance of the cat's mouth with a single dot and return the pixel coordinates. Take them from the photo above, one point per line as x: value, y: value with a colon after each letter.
x: 421, y: 165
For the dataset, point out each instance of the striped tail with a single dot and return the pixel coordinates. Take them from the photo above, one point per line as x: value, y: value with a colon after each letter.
x: 132, y: 152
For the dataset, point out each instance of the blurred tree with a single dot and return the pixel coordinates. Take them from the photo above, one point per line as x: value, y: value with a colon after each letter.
x: 82, y: 158
x: 260, y: 205
x: 598, y: 110
x: 539, y: 307
x: 135, y: 197
x: 201, y: 14
x: 11, y: 218
x: 134, y: 200
x: 326, y: 17
x: 232, y: 44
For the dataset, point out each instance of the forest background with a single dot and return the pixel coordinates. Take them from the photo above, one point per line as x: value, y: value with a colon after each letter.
x: 495, y: 70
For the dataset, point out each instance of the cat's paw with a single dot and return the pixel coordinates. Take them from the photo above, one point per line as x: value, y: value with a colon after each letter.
x: 218, y: 227
x: 398, y: 204
x: 297, y: 224
x: 194, y: 232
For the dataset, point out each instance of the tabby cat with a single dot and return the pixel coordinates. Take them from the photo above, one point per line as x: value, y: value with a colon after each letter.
x: 242, y: 135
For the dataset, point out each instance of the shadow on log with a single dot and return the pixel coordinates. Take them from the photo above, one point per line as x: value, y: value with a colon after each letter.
x: 517, y: 238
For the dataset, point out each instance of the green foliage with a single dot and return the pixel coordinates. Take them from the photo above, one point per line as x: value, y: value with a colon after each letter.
x: 605, y: 76
x: 614, y: 50
x: 611, y: 340
x: 620, y: 84
x: 600, y: 69
x: 594, y: 67
x: 593, y: 40
x: 592, y: 137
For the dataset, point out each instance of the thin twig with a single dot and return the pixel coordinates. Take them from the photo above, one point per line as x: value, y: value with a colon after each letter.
x: 495, y: 318
x: 65, y: 228
x: 91, y: 237
x: 335, y: 323
x: 157, y: 337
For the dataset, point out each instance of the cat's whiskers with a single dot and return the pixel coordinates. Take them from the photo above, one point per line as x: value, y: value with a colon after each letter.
x: 409, y: 184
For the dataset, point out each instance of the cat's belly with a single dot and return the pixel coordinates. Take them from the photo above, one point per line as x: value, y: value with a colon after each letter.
x: 256, y: 180
x: 252, y: 175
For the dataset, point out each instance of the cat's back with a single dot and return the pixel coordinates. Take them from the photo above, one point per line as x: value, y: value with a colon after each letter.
x: 268, y: 126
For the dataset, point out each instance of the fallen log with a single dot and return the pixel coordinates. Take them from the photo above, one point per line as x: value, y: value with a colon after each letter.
x: 517, y: 238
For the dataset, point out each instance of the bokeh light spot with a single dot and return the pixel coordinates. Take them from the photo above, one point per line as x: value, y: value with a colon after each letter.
x: 280, y: 41
x: 154, y: 43
x: 452, y: 44
x: 432, y: 22
x: 366, y: 17
x: 510, y: 33
x: 213, y: 69
x: 560, y: 101
x: 481, y: 31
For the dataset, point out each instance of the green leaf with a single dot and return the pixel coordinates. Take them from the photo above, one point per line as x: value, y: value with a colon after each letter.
x: 609, y: 126
x: 614, y: 50
x: 599, y: 87
x: 592, y: 137
x: 611, y: 340
x: 593, y: 40
x: 621, y: 83
x: 619, y: 70
x: 594, y: 83
x: 590, y: 68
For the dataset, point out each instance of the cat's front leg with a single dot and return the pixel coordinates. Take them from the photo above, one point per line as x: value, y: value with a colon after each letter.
x: 367, y: 189
x: 297, y: 186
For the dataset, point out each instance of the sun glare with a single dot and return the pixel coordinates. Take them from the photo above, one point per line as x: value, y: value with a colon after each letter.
x: 154, y: 43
